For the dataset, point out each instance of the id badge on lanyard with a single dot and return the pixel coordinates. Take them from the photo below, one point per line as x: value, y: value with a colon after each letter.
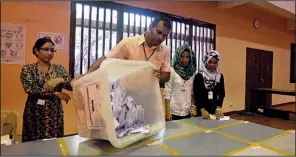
x: 210, y: 95
x: 41, y: 102
x: 145, y: 53
x: 183, y: 86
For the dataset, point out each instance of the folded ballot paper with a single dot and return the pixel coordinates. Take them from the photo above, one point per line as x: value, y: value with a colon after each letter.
x: 224, y: 118
x: 128, y: 116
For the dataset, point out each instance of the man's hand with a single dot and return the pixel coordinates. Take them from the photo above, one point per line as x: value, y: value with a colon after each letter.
x: 156, y: 73
x: 162, y: 76
x: 97, y: 64
x: 205, y: 114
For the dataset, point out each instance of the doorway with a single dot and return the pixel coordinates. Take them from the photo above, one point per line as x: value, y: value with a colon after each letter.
x: 259, y: 69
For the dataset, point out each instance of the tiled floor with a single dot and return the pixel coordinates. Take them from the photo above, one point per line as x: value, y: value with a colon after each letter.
x: 272, y: 122
x: 290, y: 107
x: 256, y: 151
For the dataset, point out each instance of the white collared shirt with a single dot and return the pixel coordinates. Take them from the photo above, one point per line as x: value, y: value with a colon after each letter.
x: 180, y: 98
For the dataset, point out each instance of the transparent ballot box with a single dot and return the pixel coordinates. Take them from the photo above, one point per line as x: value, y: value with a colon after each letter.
x: 120, y: 102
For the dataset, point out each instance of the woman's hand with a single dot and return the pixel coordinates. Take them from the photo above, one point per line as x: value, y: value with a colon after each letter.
x: 219, y: 113
x: 168, y: 115
x: 193, y: 112
x: 52, y: 83
x: 205, y: 114
x: 63, y: 96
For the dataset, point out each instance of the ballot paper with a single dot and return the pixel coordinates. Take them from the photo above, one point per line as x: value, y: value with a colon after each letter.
x: 224, y: 118
x: 128, y: 116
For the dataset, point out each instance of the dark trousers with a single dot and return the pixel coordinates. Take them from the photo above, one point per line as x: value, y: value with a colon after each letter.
x: 175, y: 117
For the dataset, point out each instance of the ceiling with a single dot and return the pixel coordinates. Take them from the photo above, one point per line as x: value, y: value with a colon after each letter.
x: 287, y: 5
x: 285, y: 9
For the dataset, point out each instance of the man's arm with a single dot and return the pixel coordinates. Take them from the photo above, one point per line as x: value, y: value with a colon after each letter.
x: 97, y: 64
x: 119, y: 51
x: 164, y: 77
x: 166, y: 68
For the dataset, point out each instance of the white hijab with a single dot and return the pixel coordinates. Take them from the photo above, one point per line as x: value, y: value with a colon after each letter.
x: 210, y: 78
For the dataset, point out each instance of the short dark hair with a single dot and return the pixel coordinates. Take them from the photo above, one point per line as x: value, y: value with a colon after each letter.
x: 40, y: 42
x: 166, y: 21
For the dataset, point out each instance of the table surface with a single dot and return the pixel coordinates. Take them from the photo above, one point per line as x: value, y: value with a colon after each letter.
x: 276, y: 90
x: 193, y: 136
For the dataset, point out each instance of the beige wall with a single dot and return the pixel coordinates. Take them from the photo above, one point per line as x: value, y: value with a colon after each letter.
x: 37, y: 16
x: 234, y: 33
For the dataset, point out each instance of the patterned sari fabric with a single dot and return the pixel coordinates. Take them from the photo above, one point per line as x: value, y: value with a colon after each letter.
x: 46, y: 120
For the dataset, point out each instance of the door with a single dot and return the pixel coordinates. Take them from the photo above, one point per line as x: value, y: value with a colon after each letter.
x: 252, y: 74
x: 259, y: 65
x: 266, y: 74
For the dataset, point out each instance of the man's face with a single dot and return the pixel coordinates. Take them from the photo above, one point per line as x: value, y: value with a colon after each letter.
x: 158, y: 33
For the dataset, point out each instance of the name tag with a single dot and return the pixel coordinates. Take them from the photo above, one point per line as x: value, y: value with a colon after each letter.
x: 41, y: 102
x: 210, y: 95
x: 183, y: 86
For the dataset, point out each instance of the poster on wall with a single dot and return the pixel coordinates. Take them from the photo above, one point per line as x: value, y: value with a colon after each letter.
x: 13, y: 41
x: 59, y: 39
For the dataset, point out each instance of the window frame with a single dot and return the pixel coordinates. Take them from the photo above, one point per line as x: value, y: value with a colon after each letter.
x: 121, y: 8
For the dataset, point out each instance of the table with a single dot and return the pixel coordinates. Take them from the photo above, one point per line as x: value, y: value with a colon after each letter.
x: 193, y: 136
x: 259, y: 97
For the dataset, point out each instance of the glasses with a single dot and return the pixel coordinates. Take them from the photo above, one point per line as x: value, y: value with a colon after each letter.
x: 47, y: 49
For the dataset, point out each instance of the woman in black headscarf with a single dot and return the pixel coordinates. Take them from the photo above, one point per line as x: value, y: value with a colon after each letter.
x: 208, y: 88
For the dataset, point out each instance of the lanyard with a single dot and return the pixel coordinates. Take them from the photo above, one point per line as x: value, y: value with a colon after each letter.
x: 145, y: 53
x: 46, y: 74
x: 47, y: 68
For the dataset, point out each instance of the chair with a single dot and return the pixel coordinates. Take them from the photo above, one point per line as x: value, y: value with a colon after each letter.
x: 9, y: 121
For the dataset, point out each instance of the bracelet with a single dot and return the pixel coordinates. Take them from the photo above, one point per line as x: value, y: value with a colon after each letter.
x: 193, y: 106
x: 218, y: 109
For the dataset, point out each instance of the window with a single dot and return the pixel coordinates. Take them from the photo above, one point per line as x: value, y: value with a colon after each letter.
x: 96, y: 27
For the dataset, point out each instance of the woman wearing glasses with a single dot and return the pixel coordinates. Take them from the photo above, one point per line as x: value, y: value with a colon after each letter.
x: 43, y: 82
x: 179, y: 102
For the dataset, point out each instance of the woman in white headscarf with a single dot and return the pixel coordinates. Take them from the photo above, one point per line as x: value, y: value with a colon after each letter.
x: 208, y: 87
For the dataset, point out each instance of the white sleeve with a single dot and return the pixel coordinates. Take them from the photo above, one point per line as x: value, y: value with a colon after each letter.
x: 168, y: 86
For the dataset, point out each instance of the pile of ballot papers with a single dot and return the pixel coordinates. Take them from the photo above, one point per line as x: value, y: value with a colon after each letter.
x: 128, y: 116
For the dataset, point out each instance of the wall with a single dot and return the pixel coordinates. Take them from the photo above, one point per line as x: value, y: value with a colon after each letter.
x: 234, y: 33
x: 37, y: 16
